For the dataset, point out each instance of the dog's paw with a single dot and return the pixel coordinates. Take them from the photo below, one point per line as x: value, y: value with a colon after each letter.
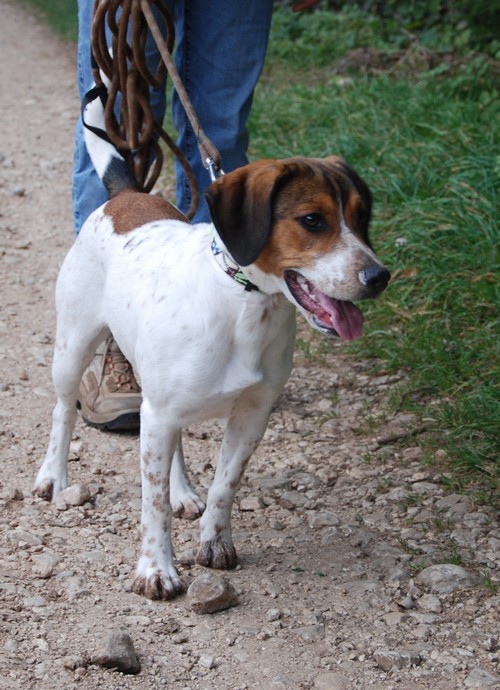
x: 44, y: 490
x: 220, y: 555
x: 48, y: 488
x: 158, y: 585
x: 187, y: 505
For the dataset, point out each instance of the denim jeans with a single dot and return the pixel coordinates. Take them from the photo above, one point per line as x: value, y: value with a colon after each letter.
x: 220, y: 52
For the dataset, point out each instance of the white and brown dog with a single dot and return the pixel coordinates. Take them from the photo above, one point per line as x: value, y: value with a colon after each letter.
x: 206, y: 316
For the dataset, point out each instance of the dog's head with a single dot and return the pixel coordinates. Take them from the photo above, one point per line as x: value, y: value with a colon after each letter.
x: 300, y: 225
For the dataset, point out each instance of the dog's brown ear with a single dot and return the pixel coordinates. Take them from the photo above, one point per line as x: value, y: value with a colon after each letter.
x: 240, y: 204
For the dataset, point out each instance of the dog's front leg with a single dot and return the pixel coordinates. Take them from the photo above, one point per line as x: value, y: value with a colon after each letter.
x: 243, y: 434
x: 156, y: 576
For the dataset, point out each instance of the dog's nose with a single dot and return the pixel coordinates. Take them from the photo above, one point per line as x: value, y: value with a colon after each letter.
x: 375, y: 277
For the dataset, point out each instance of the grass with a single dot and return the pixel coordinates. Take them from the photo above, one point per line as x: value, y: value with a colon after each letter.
x: 428, y: 143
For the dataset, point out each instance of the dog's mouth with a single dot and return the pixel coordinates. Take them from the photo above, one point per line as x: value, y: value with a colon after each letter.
x: 333, y: 316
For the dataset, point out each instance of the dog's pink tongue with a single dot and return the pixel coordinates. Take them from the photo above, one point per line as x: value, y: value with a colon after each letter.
x: 344, y: 316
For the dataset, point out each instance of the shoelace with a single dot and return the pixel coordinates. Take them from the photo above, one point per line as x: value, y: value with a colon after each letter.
x: 120, y: 370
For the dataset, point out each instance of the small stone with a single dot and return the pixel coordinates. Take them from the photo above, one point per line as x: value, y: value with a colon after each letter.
x: 490, y: 643
x: 291, y: 500
x: 397, y: 659
x: 206, y: 661
x: 34, y: 602
x: 331, y: 681
x: 251, y: 503
x: 479, y: 678
x: 446, y: 577
x: 75, y: 495
x: 75, y: 449
x: 441, y: 455
x: 44, y: 564
x: 413, y: 454
x: 454, y: 505
x: 312, y: 633
x: 75, y: 588
x: 430, y: 603
x: 406, y: 602
x: 73, y: 661
x: 11, y: 493
x: 210, y: 592
x: 324, y: 405
x: 273, y: 615
x: 119, y: 654
x: 180, y: 638
x: 187, y: 556
x: 11, y: 645
x: 323, y: 519
x: 23, y: 536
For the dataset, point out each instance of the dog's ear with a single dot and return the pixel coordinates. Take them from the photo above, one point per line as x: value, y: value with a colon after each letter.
x: 241, y: 206
x: 356, y: 197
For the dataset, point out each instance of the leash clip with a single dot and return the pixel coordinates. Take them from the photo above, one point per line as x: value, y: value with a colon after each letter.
x: 214, y: 170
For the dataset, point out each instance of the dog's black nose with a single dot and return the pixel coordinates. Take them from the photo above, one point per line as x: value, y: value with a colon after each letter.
x: 375, y: 277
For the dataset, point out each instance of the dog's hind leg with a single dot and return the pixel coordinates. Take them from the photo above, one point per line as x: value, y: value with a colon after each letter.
x: 71, y: 357
x: 183, y: 498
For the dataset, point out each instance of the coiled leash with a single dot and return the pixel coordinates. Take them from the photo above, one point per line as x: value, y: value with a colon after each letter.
x: 136, y: 134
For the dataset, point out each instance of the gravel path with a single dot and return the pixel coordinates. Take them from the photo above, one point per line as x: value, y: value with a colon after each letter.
x: 337, y: 524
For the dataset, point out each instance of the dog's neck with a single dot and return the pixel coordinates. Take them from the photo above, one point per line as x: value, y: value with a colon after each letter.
x: 229, y: 266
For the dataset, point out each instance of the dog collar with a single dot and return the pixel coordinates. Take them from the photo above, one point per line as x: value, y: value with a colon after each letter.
x: 231, y: 268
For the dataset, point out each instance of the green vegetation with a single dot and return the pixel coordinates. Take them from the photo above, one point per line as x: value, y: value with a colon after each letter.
x: 424, y: 133
x: 416, y: 109
x: 62, y: 15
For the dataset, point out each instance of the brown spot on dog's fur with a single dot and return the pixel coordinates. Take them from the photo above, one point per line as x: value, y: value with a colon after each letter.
x: 131, y: 209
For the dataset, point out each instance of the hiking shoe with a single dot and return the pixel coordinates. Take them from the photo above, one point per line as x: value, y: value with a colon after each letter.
x: 109, y: 395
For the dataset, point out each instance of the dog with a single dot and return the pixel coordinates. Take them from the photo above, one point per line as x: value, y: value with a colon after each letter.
x: 206, y: 315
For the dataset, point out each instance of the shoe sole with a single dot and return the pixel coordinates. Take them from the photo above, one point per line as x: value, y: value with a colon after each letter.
x: 126, y: 422
x: 130, y: 421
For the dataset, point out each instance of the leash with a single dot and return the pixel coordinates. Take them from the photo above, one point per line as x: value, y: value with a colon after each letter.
x: 137, y: 134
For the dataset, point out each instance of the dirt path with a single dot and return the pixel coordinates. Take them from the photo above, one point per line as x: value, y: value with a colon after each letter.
x: 332, y: 525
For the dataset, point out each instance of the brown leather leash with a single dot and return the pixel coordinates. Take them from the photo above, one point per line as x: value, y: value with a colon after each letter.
x: 136, y: 133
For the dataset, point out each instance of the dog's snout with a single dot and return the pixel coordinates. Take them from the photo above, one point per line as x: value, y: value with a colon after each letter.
x: 375, y: 277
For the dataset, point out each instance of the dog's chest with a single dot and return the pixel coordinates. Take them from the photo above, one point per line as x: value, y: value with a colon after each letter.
x: 196, y: 339
x: 215, y: 366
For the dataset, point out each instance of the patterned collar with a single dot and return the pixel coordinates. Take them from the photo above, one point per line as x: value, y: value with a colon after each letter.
x: 231, y: 268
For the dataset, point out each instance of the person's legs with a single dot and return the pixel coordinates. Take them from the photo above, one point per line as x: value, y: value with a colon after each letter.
x: 220, y: 53
x: 88, y: 190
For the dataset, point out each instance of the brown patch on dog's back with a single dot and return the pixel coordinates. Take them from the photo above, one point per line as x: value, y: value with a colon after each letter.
x: 132, y: 209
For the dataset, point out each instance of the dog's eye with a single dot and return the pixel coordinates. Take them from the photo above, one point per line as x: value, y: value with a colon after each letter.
x: 314, y: 222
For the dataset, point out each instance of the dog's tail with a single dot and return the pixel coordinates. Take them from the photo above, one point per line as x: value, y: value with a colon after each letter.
x: 110, y: 165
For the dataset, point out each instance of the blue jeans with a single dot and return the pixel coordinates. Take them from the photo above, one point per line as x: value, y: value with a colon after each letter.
x: 220, y: 52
